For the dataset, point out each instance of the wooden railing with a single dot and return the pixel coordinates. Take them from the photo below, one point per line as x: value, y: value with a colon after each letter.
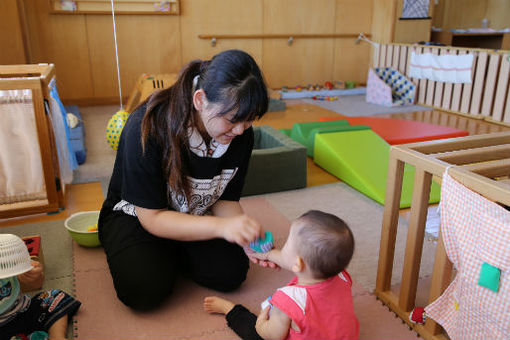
x: 481, y: 163
x: 487, y: 97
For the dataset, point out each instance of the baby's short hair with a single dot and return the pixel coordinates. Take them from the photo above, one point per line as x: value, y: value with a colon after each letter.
x: 325, y: 242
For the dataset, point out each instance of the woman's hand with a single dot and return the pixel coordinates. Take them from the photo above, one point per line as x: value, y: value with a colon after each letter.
x: 240, y: 229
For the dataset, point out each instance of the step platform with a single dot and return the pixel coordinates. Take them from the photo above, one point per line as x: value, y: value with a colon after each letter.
x: 304, y: 133
x: 401, y: 131
x: 360, y: 159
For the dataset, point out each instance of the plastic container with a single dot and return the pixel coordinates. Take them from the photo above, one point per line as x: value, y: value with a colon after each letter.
x: 77, y: 225
x: 14, y: 256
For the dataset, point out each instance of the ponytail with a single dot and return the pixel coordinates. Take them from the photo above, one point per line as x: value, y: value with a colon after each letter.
x: 168, y: 115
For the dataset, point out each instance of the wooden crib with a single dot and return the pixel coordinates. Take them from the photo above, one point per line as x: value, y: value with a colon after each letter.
x: 481, y: 163
x: 487, y: 97
x: 35, y: 78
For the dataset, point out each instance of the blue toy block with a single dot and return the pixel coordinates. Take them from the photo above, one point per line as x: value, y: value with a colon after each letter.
x: 263, y: 245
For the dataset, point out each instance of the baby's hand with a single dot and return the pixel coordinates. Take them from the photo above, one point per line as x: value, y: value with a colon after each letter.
x: 33, y: 279
x: 253, y: 254
x: 262, y: 259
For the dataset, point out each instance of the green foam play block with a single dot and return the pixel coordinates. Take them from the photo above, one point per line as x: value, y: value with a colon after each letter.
x: 360, y: 159
x: 300, y: 132
x: 304, y: 133
x: 286, y: 132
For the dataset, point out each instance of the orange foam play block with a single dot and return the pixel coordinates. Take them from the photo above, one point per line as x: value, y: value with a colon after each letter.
x: 399, y: 131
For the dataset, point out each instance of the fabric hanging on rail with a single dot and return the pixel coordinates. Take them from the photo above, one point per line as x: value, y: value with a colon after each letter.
x: 445, y: 68
x: 476, y: 234
x: 21, y: 173
x: 67, y: 158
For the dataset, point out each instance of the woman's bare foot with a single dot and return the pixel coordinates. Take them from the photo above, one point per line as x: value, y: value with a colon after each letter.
x: 214, y: 304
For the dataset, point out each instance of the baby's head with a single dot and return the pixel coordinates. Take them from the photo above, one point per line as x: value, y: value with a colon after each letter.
x: 323, y: 241
x: 14, y: 260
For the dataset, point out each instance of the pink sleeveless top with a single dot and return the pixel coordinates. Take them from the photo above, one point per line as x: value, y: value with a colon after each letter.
x: 323, y: 311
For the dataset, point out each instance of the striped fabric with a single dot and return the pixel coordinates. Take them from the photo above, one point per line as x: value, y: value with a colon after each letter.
x: 475, y: 230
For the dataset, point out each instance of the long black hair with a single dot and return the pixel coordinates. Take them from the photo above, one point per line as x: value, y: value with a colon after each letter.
x: 231, y: 78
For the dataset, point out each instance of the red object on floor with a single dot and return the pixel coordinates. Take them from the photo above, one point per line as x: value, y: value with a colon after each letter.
x: 33, y: 244
x: 418, y: 315
x: 400, y: 131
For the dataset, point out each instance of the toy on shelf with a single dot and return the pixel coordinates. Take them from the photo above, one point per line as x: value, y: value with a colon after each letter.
x: 339, y: 84
x: 350, y: 84
x: 263, y: 245
x: 329, y: 89
x: 326, y: 98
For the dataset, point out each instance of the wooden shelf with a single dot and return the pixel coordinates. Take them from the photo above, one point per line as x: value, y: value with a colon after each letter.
x: 478, y: 40
x: 133, y: 7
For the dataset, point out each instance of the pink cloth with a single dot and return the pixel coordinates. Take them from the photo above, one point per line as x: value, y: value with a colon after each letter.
x: 475, y: 230
x: 321, y: 311
x: 378, y: 92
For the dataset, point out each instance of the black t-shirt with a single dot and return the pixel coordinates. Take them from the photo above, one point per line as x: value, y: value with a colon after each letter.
x: 138, y: 178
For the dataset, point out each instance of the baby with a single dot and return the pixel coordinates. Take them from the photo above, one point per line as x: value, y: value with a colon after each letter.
x: 317, y: 303
x: 22, y: 316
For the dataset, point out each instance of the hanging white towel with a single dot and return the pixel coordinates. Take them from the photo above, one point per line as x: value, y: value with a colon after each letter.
x: 445, y: 68
x: 21, y: 172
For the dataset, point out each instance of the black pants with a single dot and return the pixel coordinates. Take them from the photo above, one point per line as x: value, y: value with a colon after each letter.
x: 242, y: 322
x: 144, y: 268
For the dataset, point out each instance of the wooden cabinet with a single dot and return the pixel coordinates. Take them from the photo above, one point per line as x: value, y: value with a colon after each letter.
x: 478, y: 40
x: 41, y: 189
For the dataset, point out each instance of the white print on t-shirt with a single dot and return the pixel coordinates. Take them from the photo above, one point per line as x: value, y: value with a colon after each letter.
x: 198, y: 146
x: 126, y: 207
x: 204, y: 193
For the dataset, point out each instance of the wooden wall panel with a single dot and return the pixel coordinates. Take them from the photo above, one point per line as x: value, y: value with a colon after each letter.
x: 411, y: 31
x: 61, y: 40
x: 351, y: 60
x: 469, y: 13
x: 498, y: 13
x: 383, y: 21
x: 464, y: 13
x: 82, y: 46
x: 353, y: 16
x: 11, y: 34
x: 306, y: 60
x: 220, y: 17
x: 146, y: 44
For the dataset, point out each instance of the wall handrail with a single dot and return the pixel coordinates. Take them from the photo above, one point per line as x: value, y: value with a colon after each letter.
x: 281, y: 36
